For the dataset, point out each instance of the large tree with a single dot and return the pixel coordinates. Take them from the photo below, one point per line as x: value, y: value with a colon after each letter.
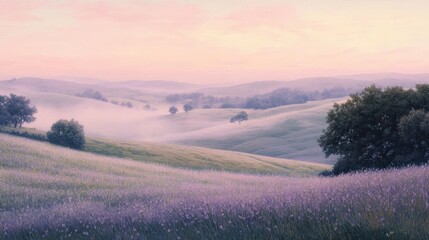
x: 4, y: 114
x: 364, y: 131
x: 20, y: 110
x: 414, y: 133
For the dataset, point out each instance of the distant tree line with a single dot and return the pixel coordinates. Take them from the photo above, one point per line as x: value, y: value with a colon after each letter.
x: 286, y: 96
x: 276, y: 98
x: 92, y: 94
x: 126, y: 104
x: 16, y: 110
x: 200, y: 100
x: 379, y: 128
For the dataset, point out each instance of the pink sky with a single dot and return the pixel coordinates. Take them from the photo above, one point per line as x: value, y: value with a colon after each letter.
x: 204, y: 41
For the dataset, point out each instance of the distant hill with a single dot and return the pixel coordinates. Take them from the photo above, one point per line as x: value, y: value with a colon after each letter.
x: 159, y: 85
x: 286, y: 132
x: 72, y: 88
x: 356, y: 82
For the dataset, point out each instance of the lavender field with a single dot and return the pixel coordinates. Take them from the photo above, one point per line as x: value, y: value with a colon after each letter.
x: 50, y: 192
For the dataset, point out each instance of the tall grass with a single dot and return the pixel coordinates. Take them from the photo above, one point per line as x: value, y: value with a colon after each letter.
x: 49, y: 192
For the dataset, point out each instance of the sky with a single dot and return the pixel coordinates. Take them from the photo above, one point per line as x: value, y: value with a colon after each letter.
x: 212, y: 41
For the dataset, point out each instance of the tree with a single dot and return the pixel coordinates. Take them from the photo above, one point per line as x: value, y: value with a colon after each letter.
x: 414, y: 133
x: 364, y: 131
x: 20, y: 110
x: 67, y: 133
x: 173, y: 110
x: 187, y: 107
x: 240, y: 117
x: 4, y: 114
x: 91, y: 93
x: 127, y: 104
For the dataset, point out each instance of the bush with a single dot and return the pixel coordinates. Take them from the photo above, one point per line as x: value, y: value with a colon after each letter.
x: 67, y: 133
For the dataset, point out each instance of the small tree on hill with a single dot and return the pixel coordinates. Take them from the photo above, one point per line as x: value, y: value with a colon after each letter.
x: 173, y: 110
x: 240, y: 117
x: 19, y: 110
x: 187, y: 107
x: 67, y: 133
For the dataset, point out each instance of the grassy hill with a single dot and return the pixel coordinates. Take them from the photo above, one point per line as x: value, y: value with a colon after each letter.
x: 286, y: 132
x: 49, y: 192
x: 289, y: 132
x: 355, y: 82
x: 197, y: 158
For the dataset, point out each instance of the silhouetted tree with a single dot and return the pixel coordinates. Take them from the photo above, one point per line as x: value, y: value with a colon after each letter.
x: 67, y: 133
x: 173, y: 110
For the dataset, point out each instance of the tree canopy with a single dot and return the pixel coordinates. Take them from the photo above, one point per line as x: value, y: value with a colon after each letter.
x: 239, y: 117
x: 173, y: 110
x: 365, y: 131
x: 16, y: 110
x: 187, y: 107
x: 67, y: 133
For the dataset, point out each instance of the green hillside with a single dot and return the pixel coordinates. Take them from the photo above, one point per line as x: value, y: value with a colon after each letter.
x: 197, y: 158
x: 289, y: 132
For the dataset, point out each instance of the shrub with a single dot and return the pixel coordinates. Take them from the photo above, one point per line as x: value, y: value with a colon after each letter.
x: 67, y: 133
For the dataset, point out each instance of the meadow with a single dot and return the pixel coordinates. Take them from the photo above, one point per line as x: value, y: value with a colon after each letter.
x: 188, y: 157
x: 288, y: 132
x: 49, y: 192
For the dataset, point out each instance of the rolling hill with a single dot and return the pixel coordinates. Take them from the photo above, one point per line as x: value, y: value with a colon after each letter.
x: 353, y: 82
x: 286, y: 132
x: 289, y: 132
x: 50, y: 192
x: 196, y: 158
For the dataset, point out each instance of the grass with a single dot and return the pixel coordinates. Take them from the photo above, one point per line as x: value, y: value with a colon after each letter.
x: 49, y: 192
x: 289, y: 132
x: 194, y: 157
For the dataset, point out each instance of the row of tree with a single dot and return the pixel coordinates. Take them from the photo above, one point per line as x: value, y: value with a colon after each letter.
x: 379, y: 128
x: 276, y: 98
x: 286, y: 96
x: 16, y: 110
